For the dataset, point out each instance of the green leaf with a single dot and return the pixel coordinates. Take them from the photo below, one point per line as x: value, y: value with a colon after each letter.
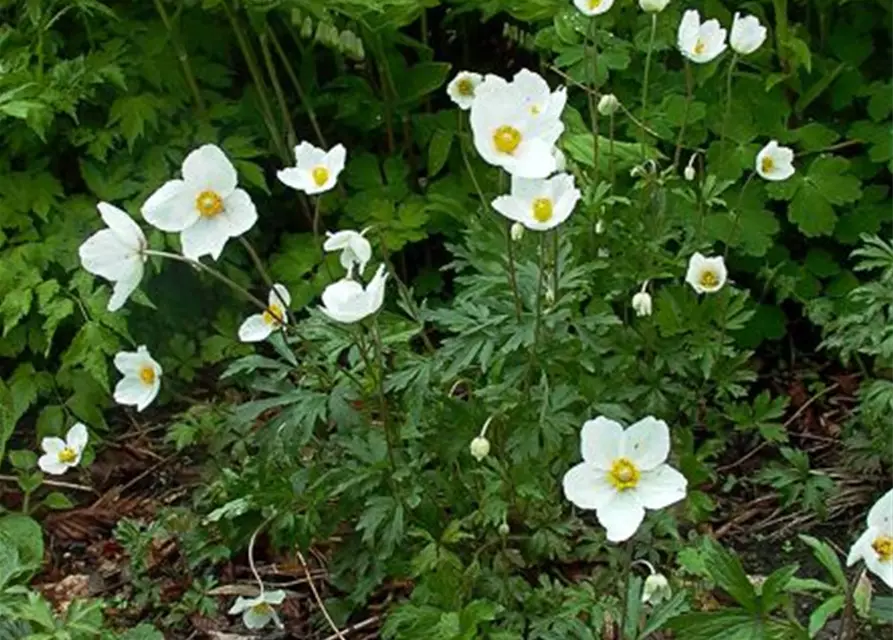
x: 663, y: 612
x: 820, y: 615
x: 132, y: 114
x: 23, y: 459
x: 422, y: 79
x: 58, y: 501
x: 726, y: 570
x: 24, y: 533
x: 439, y: 151
x: 813, y: 195
x: 731, y: 624
x: 828, y: 559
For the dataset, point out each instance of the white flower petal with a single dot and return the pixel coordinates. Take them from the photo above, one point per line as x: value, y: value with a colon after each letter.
x: 131, y: 391
x: 295, y: 178
x: 239, y: 213
x: 49, y: 463
x: 881, y: 514
x: 208, y: 168
x: 172, y: 207
x: 255, y: 620
x: 102, y: 254
x: 621, y: 516
x: 279, y: 295
x: 255, y: 329
x: 862, y: 547
x: 123, y: 226
x: 883, y: 570
x: 207, y: 237
x: 77, y: 437
x: 241, y: 604
x: 587, y: 487
x: 307, y: 156
x: 647, y: 443
x: 601, y: 442
x: 277, y: 596
x: 335, y: 160
x: 130, y: 277
x: 375, y: 290
x: 52, y: 445
x: 661, y: 487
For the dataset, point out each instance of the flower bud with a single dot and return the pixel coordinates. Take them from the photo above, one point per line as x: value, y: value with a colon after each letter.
x: 517, y: 231
x: 689, y: 173
x: 862, y: 595
x: 642, y: 304
x: 503, y: 529
x: 599, y: 226
x: 656, y: 589
x: 479, y: 448
x: 608, y: 104
x: 307, y: 28
x: 653, y: 6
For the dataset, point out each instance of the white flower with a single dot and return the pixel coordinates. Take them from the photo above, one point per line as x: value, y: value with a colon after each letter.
x: 315, y: 170
x: 259, y: 326
x: 142, y: 378
x: 593, y: 7
x: 656, y: 589
x: 706, y: 275
x: 608, y: 104
x: 689, y: 171
x: 599, y: 227
x: 642, y: 303
x: 258, y: 611
x: 354, y: 248
x: 875, y: 546
x: 205, y: 206
x: 560, y: 159
x: 462, y: 88
x: 539, y: 204
x: 347, y: 301
x: 623, y: 473
x: 515, y: 126
x: 653, y: 6
x: 700, y: 42
x: 116, y: 254
x: 517, y: 231
x: 60, y: 455
x: 479, y: 447
x: 774, y: 162
x: 747, y: 35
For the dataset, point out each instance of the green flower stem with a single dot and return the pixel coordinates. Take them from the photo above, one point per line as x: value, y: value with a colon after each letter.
x: 183, y: 57
x: 626, y: 571
x: 611, y: 151
x: 382, y: 399
x: 645, y: 82
x: 728, y: 110
x: 593, y: 107
x: 259, y: 265
x: 405, y: 293
x: 541, y: 268
x: 302, y: 95
x: 555, y: 264
x: 291, y: 136
x: 846, y: 619
x: 689, y: 92
x: 737, y: 216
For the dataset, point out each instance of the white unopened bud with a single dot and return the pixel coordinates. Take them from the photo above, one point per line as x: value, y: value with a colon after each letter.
x: 608, y: 104
x: 642, y: 304
x: 503, y: 529
x: 560, y: 160
x: 656, y: 589
x: 689, y: 173
x: 599, y: 226
x: 480, y: 448
x: 517, y: 231
x: 653, y: 6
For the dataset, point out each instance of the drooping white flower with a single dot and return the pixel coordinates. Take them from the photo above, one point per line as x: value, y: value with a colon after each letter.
x: 517, y: 231
x: 462, y: 89
x: 142, y: 378
x: 698, y: 42
x: 347, y: 301
x: 689, y: 171
x: 608, y: 104
x: 315, y: 170
x: 623, y: 473
x: 354, y: 248
x: 774, y: 162
x: 205, y: 206
x: 653, y: 6
x: 257, y: 612
x: 515, y: 126
x: 747, y: 35
x: 642, y: 303
x: 593, y: 7
x: 60, y: 455
x: 656, y: 589
x: 479, y: 448
x: 875, y: 545
x: 539, y: 204
x: 116, y: 254
x: 260, y: 325
x: 706, y: 275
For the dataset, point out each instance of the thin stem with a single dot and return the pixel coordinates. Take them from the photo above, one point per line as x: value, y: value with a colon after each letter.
x: 54, y: 483
x: 302, y: 95
x: 260, y: 583
x: 555, y: 264
x: 541, y: 268
x: 611, y: 150
x: 316, y: 596
x: 737, y: 217
x: 728, y: 110
x: 689, y: 90
x: 277, y: 90
x: 404, y: 292
x: 183, y: 57
x: 513, y: 275
x: 626, y: 572
x: 477, y: 186
x: 645, y: 81
x: 382, y: 399
x: 846, y: 618
x: 593, y: 109
x: 259, y: 265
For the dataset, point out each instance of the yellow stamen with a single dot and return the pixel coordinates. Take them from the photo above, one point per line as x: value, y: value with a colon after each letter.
x: 147, y: 374
x: 767, y: 164
x: 594, y: 4
x: 506, y: 139
x: 708, y: 279
x: 209, y: 203
x: 883, y: 547
x: 68, y: 455
x: 700, y: 47
x: 623, y: 474
x: 273, y: 315
x: 262, y: 609
x: 542, y: 210
x: 465, y: 87
x: 320, y: 175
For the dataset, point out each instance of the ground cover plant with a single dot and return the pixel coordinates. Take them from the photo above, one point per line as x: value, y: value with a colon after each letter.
x: 473, y: 319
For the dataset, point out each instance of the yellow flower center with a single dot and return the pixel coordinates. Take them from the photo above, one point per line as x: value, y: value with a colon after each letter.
x: 767, y: 164
x: 700, y: 47
x: 542, y: 210
x: 320, y: 175
x: 506, y: 139
x: 68, y: 455
x: 594, y: 4
x: 623, y: 474
x: 273, y: 315
x: 262, y: 609
x: 708, y: 279
x: 209, y: 203
x: 465, y: 87
x: 147, y: 374
x: 883, y: 547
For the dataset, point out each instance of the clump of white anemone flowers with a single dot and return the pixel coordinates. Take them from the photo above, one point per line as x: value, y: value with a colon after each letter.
x: 747, y: 35
x: 347, y: 301
x: 257, y: 612
x: 61, y: 455
x: 539, y: 204
x: 653, y: 6
x: 774, y: 162
x: 875, y: 545
x: 463, y: 88
x: 593, y: 7
x: 142, y: 378
x: 516, y: 125
x: 259, y: 326
x: 698, y: 42
x: 205, y: 206
x: 116, y: 254
x: 354, y: 247
x: 706, y: 275
x: 315, y: 171
x: 623, y: 473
